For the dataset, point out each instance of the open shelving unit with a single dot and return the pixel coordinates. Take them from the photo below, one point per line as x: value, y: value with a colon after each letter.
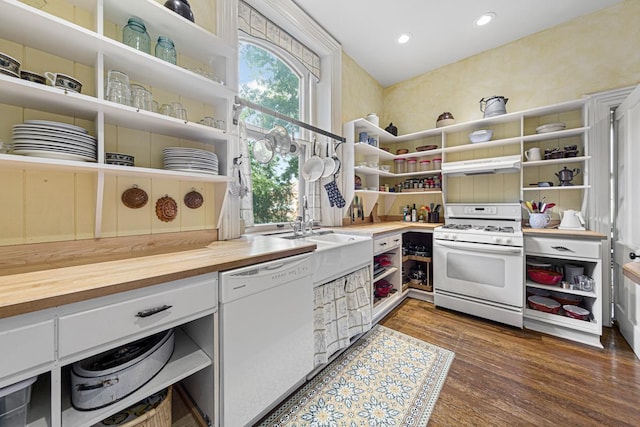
x: 93, y: 49
x: 516, y: 134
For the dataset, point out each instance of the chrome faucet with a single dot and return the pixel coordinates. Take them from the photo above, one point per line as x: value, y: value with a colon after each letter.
x: 303, y: 224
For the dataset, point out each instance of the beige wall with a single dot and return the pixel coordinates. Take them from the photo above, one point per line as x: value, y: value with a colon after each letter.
x: 589, y: 54
x: 361, y: 93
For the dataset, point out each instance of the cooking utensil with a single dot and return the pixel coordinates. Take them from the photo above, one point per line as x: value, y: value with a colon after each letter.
x: 263, y: 151
x: 107, y: 377
x: 313, y: 168
x: 294, y: 148
x: 572, y: 220
x: 336, y: 160
x: 545, y: 277
x: 547, y: 305
x: 280, y: 140
x: 566, y: 175
x: 329, y: 164
x: 576, y: 312
x: 493, y: 106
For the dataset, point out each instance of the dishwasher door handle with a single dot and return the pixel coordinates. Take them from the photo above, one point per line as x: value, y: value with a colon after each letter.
x: 275, y: 266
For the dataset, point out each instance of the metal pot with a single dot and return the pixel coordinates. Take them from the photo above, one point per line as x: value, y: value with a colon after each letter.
x: 566, y: 175
x: 493, y: 106
x: 107, y: 377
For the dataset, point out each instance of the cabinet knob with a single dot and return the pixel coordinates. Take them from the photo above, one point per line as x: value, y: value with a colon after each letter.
x: 633, y: 255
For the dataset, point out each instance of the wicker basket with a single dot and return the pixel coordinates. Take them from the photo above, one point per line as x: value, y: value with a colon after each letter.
x: 160, y: 416
x: 157, y: 417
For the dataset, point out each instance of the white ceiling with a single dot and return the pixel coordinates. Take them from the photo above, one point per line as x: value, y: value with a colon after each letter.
x: 443, y: 30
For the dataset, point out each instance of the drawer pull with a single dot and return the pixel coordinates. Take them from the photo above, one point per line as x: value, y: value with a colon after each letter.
x: 561, y: 249
x: 152, y: 311
x: 383, y: 243
x: 105, y: 383
x: 633, y: 255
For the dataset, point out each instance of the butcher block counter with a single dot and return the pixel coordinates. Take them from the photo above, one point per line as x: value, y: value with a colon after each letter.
x: 632, y: 271
x: 44, y: 288
x: 374, y: 229
x: 555, y: 232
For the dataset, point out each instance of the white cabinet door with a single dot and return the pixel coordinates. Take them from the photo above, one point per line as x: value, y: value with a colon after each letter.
x: 627, y: 225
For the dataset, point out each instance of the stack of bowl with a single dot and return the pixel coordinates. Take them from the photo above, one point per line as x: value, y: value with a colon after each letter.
x: 9, y: 66
x: 119, y: 159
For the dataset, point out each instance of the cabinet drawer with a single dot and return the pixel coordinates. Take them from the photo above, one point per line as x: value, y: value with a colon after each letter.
x: 563, y: 247
x: 380, y: 244
x: 25, y: 344
x: 383, y: 244
x: 128, y: 315
x: 395, y: 241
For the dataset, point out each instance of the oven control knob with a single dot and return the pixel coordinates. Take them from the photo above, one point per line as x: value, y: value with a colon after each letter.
x: 498, y: 239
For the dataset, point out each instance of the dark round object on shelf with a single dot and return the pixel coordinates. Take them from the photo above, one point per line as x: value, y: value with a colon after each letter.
x: 181, y: 7
x: 392, y: 129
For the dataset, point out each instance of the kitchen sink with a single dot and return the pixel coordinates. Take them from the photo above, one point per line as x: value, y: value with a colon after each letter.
x: 336, y: 254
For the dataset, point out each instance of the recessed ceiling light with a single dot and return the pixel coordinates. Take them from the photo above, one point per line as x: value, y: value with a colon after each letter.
x: 484, y: 19
x: 404, y: 38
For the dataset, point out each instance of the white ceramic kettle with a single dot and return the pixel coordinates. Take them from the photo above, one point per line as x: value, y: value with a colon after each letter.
x: 572, y: 220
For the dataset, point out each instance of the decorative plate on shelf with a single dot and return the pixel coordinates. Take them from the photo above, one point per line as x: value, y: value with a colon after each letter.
x: 426, y: 147
x: 551, y: 127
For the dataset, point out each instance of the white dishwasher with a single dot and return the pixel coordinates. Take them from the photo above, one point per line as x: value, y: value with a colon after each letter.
x: 266, y: 336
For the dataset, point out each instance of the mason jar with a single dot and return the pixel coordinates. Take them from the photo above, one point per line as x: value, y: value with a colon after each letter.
x: 166, y: 50
x: 135, y: 34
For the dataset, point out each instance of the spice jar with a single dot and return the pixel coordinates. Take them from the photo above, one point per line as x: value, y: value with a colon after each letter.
x: 135, y: 34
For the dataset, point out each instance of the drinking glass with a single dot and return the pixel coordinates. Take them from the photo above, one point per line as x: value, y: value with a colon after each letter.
x: 208, y: 121
x: 220, y: 124
x: 141, y: 97
x: 178, y: 111
x: 118, y: 89
x: 166, y: 110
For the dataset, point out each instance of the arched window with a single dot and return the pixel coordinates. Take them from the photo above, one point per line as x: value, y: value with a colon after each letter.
x: 275, y: 80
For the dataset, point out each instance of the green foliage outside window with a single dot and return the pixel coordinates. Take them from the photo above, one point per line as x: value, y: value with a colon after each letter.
x: 267, y: 81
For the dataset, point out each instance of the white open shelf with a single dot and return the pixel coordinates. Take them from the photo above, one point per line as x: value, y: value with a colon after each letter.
x: 589, y: 294
x: 558, y: 319
x: 563, y: 160
x: 557, y: 187
x: 389, y: 271
x: 187, y: 359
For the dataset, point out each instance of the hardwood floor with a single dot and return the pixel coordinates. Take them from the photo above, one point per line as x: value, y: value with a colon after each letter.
x: 504, y: 376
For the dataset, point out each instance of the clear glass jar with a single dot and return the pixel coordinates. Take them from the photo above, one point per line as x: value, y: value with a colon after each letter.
x: 166, y: 50
x: 437, y: 163
x: 400, y: 166
x: 425, y: 165
x: 135, y: 34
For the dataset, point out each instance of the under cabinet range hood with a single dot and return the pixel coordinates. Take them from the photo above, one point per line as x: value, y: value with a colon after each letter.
x: 492, y: 165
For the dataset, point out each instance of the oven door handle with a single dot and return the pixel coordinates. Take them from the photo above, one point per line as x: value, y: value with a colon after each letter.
x: 493, y: 249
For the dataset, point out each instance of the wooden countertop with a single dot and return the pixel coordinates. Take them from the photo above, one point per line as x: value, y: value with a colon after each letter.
x: 377, y: 228
x: 632, y: 271
x: 41, y: 289
x: 554, y: 232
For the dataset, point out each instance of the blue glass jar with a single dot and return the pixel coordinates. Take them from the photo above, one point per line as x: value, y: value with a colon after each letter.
x: 135, y: 34
x: 166, y: 50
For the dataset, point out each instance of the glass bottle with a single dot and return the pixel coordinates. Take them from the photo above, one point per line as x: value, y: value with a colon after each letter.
x: 135, y: 34
x: 166, y: 50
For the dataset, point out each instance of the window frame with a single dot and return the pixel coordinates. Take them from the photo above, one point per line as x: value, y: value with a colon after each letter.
x: 307, y: 96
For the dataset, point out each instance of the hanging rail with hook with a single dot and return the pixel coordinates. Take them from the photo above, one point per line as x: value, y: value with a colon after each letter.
x: 241, y: 103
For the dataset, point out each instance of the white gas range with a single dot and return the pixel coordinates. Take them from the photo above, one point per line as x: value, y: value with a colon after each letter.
x: 479, y: 259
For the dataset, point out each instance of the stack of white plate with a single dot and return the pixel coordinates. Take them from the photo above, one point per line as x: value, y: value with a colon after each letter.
x: 190, y: 160
x: 54, y: 140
